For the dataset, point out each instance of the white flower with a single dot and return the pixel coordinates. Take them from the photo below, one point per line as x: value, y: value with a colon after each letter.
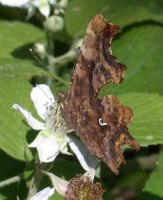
x: 31, y: 5
x: 43, y: 194
x: 52, y: 138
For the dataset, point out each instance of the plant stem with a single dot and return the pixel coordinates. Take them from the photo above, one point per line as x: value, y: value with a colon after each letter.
x: 11, y: 180
x: 61, y: 60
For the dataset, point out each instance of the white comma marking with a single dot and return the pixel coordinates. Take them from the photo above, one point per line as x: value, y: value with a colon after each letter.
x: 101, y: 122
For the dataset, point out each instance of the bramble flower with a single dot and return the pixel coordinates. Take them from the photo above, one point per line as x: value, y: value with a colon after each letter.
x: 52, y: 138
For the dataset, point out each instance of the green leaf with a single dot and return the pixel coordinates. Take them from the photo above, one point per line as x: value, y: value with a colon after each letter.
x: 141, y: 50
x: 56, y: 196
x: 147, y: 123
x: 16, y: 39
x: 12, y: 130
x: 16, y: 69
x: 154, y: 183
x: 149, y: 196
x: 123, y: 13
x: 15, y: 35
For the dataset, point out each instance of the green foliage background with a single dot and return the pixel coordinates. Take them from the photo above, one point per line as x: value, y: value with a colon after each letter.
x: 139, y: 45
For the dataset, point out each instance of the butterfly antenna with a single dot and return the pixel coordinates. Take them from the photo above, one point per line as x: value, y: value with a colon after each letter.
x: 53, y: 76
x: 36, y: 57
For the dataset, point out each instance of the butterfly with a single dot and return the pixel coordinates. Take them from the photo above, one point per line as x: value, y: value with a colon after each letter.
x: 100, y: 122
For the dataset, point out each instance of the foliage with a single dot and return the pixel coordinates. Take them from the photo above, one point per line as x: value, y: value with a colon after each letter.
x: 138, y: 45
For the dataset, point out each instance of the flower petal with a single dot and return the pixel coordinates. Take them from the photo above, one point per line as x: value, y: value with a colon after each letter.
x: 14, y: 3
x: 46, y: 145
x: 64, y: 149
x: 32, y: 122
x: 43, y: 99
x: 44, y: 8
x: 43, y: 194
x: 86, y: 160
x: 59, y: 184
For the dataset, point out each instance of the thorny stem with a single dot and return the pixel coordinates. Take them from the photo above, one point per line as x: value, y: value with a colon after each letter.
x: 11, y: 180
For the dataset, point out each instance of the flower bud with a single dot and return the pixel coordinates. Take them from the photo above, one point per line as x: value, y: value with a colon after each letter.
x: 54, y: 24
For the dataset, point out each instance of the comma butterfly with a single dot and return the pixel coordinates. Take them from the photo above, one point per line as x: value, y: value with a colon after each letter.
x: 101, y: 123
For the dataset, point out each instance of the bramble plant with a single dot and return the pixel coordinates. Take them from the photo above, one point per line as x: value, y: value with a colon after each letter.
x: 37, y: 151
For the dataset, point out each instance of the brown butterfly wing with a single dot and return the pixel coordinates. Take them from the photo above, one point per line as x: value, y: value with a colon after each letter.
x: 101, y: 123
